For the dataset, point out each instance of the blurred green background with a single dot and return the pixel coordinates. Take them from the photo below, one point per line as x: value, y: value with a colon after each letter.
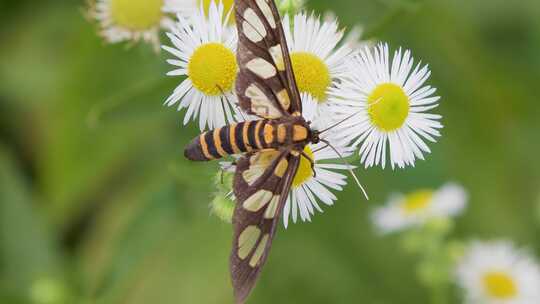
x: 98, y: 205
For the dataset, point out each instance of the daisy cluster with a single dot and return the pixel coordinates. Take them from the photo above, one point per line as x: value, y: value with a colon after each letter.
x: 377, y: 105
x: 488, y: 272
x: 384, y: 102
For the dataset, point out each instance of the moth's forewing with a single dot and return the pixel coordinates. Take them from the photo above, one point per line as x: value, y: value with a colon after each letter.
x: 265, y: 85
x: 261, y: 185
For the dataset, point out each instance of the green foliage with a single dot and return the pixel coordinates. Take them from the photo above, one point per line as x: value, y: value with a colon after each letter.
x: 31, y: 266
x: 538, y: 209
x: 223, y: 204
x: 436, y: 254
x: 290, y: 7
x: 98, y: 205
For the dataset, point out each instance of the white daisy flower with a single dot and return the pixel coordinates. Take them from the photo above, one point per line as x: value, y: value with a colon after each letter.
x: 318, y: 60
x: 419, y: 207
x: 133, y: 20
x: 313, y: 186
x: 391, y: 102
x: 498, y: 273
x: 205, y: 52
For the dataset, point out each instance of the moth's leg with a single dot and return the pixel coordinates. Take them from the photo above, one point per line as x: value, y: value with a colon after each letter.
x: 311, y: 162
x: 222, y: 178
x: 223, y: 170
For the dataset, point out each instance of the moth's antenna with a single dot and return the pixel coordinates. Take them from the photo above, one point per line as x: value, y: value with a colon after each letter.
x: 320, y: 149
x: 348, y: 168
x: 340, y: 122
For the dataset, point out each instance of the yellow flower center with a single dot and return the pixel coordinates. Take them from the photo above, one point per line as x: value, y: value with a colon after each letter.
x: 137, y: 15
x: 304, y: 172
x: 417, y: 201
x: 227, y: 4
x: 312, y: 74
x: 388, y: 107
x: 500, y: 285
x: 212, y: 69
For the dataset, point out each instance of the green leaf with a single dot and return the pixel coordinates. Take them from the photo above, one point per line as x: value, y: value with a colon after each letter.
x: 28, y: 253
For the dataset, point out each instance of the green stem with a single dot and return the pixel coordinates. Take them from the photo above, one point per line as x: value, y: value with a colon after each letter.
x: 118, y: 99
x: 439, y: 295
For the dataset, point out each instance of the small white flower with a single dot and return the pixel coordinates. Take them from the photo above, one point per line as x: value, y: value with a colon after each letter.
x: 417, y: 208
x: 318, y: 60
x: 205, y: 52
x: 391, y: 103
x: 498, y: 273
x: 309, y: 188
x: 133, y: 20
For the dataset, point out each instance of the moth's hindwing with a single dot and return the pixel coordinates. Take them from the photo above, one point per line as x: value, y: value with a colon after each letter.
x: 261, y: 186
x: 265, y: 85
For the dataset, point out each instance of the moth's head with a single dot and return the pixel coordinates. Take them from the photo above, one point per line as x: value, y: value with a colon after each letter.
x: 315, y: 137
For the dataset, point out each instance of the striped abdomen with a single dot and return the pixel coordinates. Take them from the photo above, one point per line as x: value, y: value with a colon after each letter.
x: 245, y: 137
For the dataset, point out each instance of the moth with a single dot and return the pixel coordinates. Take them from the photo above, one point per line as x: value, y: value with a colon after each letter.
x: 271, y: 147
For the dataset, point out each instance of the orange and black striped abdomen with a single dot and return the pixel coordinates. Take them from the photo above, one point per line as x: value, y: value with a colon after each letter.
x: 244, y: 137
x: 232, y: 139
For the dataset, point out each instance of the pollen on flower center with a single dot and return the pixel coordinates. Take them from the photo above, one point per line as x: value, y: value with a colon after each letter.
x: 227, y: 5
x: 417, y: 201
x: 212, y: 69
x: 304, y: 172
x: 388, y: 107
x: 137, y: 15
x: 312, y: 74
x: 499, y: 285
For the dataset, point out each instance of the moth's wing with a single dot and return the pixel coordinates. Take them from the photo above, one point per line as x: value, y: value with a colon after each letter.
x: 296, y: 106
x: 261, y: 186
x: 265, y: 85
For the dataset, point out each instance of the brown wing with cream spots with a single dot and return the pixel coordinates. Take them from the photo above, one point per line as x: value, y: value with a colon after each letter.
x: 261, y: 186
x: 265, y: 85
